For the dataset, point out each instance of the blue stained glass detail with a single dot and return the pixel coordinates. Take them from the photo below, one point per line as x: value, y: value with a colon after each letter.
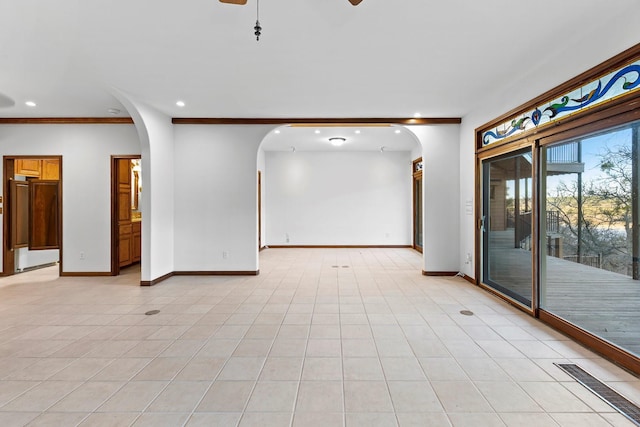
x: 536, y: 116
x: 614, y: 84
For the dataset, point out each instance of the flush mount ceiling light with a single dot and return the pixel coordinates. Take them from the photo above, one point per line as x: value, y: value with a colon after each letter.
x: 30, y: 104
x: 337, y: 141
x: 180, y: 104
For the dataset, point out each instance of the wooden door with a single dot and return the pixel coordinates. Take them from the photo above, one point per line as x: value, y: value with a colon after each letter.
x: 125, y: 228
x: 44, y: 214
x: 19, y: 201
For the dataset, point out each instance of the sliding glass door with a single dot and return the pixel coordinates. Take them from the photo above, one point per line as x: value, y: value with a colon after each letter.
x: 507, y: 207
x: 590, y: 233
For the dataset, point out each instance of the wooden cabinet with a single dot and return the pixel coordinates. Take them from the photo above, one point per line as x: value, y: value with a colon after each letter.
x: 136, y: 242
x: 19, y: 214
x: 48, y: 169
x: 28, y: 167
x: 125, y: 242
x: 130, y: 243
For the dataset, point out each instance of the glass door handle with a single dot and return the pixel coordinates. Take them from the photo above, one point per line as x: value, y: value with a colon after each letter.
x: 481, y: 223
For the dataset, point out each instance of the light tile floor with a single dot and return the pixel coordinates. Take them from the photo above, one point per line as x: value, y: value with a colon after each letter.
x: 335, y: 337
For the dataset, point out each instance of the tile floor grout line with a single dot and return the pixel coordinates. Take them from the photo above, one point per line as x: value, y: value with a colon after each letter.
x: 373, y: 274
x: 246, y: 405
x: 193, y: 356
x: 151, y: 359
x: 304, y: 357
x: 343, y: 388
x: 426, y: 376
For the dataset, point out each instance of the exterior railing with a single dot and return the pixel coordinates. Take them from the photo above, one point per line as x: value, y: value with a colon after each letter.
x: 553, y: 222
x: 590, y: 260
x: 565, y: 153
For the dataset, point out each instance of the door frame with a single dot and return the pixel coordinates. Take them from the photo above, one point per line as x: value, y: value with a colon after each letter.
x: 260, y: 247
x: 115, y: 247
x: 416, y: 176
x: 490, y: 155
x: 484, y: 187
x: 8, y: 254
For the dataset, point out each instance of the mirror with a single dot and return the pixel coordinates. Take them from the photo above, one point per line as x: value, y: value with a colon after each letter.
x: 136, y: 187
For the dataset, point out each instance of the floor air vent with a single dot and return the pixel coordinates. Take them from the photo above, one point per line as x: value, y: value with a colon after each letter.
x: 604, y: 392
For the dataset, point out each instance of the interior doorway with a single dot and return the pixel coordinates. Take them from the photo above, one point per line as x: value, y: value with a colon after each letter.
x: 259, y: 210
x: 32, y: 213
x: 126, y: 215
x: 417, y: 205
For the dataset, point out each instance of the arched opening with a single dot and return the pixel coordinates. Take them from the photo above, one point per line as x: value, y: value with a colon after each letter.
x: 337, y: 186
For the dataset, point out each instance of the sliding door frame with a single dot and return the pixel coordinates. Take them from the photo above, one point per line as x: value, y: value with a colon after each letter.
x: 613, y: 112
x: 479, y: 197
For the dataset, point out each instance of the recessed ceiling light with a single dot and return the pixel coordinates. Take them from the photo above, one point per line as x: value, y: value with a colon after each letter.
x: 358, y: 131
x: 30, y: 104
x: 337, y: 141
x: 277, y: 131
x: 417, y: 115
x: 317, y: 131
x: 397, y: 131
x: 180, y: 104
x: 113, y: 111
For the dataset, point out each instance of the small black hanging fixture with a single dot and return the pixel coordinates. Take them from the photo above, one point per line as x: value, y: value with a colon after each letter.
x: 257, y: 28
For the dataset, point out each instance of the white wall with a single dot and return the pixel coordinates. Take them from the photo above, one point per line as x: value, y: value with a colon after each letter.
x: 86, y: 191
x: 338, y: 198
x: 440, y: 175
x: 216, y: 197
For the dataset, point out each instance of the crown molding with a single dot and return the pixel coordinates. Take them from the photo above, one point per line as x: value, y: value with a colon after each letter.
x: 316, y: 121
x: 64, y: 120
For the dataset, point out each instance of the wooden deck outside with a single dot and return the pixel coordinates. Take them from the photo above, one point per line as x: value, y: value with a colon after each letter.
x: 604, y: 303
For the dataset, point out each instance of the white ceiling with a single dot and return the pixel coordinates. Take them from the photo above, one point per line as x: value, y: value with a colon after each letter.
x: 316, y: 58
x: 357, y: 138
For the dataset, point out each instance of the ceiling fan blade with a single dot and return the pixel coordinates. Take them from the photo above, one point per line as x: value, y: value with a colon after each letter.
x: 353, y: 2
x: 234, y: 1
